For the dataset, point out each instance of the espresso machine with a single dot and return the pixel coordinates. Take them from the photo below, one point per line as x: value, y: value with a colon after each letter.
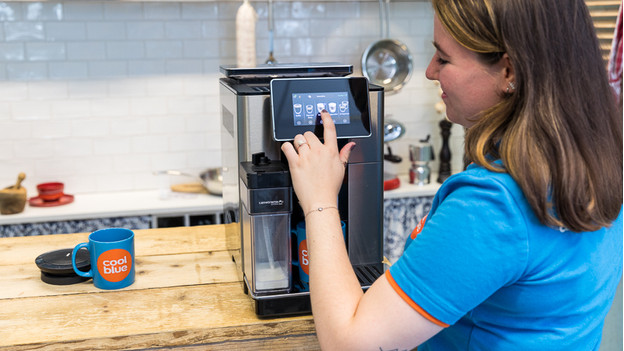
x: 261, y: 107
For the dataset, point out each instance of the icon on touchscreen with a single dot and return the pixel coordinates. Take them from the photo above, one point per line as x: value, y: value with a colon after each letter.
x: 320, y: 106
x: 344, y: 106
x: 309, y: 108
x: 332, y: 107
x: 297, y: 108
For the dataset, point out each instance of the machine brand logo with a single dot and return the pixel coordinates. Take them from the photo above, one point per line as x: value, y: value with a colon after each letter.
x: 114, y: 265
x: 303, y: 256
x: 272, y: 202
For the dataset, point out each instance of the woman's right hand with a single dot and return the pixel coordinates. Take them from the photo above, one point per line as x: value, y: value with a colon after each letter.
x: 317, y: 169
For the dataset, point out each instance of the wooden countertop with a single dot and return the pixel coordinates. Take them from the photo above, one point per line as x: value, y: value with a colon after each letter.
x: 186, y: 292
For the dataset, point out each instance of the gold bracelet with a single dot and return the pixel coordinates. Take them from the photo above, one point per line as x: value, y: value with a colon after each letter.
x: 320, y: 209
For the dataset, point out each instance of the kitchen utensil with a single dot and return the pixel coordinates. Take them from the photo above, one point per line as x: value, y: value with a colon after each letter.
x: 420, y: 155
x: 391, y: 181
x: 208, y: 182
x: 13, y: 198
x: 39, y: 202
x: 50, y: 191
x: 387, y: 62
x: 213, y: 180
x: 270, y: 60
x: 445, y: 151
x: 197, y: 188
x: 392, y: 131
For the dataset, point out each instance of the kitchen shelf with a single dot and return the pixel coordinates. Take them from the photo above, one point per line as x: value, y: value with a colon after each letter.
x: 411, y: 190
x: 148, y: 202
x: 120, y: 204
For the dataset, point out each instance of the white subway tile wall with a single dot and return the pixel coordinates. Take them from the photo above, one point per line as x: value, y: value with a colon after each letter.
x: 100, y: 94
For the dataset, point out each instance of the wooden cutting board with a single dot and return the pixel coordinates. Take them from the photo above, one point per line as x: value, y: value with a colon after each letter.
x: 196, y: 188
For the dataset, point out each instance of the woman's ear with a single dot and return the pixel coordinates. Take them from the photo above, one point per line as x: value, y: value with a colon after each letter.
x: 509, y: 74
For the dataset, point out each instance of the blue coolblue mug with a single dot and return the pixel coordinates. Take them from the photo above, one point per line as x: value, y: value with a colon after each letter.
x: 301, y: 260
x: 112, y: 258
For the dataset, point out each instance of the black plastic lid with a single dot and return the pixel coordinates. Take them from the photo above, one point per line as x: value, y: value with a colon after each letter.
x: 62, y: 279
x: 56, y: 266
x: 262, y: 173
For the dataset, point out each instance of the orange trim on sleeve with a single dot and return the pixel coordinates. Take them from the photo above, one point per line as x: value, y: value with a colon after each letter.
x: 411, y: 302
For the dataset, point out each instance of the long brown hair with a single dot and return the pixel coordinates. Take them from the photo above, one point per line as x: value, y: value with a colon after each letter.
x: 559, y: 133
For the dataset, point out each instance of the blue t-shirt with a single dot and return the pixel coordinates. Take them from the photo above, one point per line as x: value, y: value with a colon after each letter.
x: 486, y: 266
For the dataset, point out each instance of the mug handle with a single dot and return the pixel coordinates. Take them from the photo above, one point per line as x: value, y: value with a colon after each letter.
x: 88, y: 274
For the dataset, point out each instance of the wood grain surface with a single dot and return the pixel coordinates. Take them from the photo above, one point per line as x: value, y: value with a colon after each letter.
x: 187, y: 296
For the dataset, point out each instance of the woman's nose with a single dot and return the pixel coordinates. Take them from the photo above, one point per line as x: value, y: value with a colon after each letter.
x: 432, y: 70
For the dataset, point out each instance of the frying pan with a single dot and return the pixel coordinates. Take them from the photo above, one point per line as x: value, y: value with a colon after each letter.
x: 387, y: 62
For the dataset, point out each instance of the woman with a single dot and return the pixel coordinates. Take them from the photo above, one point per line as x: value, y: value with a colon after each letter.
x: 523, y: 250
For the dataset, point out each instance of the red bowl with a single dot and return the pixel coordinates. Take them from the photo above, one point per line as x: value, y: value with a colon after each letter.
x: 50, y: 191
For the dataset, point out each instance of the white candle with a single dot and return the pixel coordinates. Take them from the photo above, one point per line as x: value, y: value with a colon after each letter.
x: 246, y: 18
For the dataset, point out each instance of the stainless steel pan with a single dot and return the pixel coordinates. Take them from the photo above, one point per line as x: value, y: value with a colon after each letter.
x: 387, y: 62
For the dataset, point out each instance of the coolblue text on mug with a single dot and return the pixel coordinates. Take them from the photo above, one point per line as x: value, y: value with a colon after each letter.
x: 112, y: 258
x: 301, y: 260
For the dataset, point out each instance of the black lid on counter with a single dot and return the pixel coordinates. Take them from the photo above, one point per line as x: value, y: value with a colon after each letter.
x: 56, y: 266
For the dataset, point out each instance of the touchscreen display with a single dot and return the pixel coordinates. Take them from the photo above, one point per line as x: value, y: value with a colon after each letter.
x: 297, y: 104
x: 308, y: 106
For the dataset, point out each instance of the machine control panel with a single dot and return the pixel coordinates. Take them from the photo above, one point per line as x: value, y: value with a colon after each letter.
x: 297, y: 104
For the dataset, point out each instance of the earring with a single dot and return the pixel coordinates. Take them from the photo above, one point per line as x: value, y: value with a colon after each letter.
x: 510, y: 87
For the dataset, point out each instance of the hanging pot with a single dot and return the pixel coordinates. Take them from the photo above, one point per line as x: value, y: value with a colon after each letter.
x: 387, y: 62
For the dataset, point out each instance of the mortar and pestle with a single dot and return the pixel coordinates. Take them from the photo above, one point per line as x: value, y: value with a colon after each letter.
x: 13, y: 198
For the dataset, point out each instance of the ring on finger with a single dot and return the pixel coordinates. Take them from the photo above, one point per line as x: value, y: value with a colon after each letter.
x: 301, y: 142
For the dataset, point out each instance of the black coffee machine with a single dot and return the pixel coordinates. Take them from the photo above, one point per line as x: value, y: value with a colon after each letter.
x: 260, y: 206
